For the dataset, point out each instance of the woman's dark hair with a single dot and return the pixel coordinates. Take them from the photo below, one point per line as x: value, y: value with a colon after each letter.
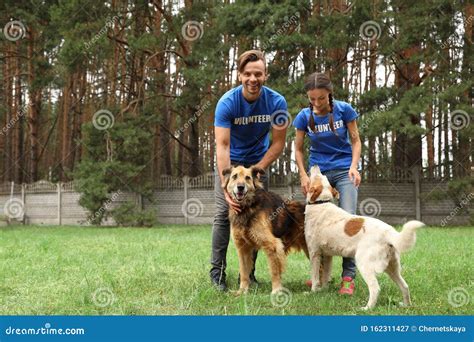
x: 318, y: 80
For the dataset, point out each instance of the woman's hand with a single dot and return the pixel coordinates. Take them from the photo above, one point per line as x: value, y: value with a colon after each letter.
x: 305, y: 183
x: 354, y: 176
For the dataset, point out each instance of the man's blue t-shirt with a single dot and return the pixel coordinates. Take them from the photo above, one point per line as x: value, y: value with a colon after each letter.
x: 250, y: 123
x: 328, y: 150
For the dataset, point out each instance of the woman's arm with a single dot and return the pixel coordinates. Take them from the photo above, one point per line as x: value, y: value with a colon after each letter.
x: 354, y: 175
x: 299, y: 154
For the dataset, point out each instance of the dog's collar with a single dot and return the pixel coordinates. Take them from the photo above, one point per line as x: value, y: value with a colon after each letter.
x: 319, y: 202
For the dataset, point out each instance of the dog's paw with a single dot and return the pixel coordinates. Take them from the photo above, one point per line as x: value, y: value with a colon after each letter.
x: 316, y: 288
x: 240, y: 292
x: 277, y: 290
x: 404, y: 305
x: 364, y: 308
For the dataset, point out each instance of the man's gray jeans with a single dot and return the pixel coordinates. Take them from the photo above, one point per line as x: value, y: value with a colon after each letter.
x: 221, y: 231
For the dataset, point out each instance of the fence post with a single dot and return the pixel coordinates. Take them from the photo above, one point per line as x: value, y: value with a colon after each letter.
x: 58, y: 185
x: 23, y: 200
x: 185, y: 183
x: 140, y: 201
x: 289, y: 182
x: 268, y: 170
x: 416, y: 177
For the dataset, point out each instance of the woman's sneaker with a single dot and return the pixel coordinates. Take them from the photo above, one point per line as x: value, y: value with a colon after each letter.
x: 347, y: 286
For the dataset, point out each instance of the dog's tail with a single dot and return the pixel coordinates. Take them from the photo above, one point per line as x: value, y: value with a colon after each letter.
x: 406, y: 239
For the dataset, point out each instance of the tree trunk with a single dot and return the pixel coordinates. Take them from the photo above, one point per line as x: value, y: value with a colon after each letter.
x: 408, y: 148
x: 430, y: 140
x: 9, y: 115
x: 65, y: 131
x: 464, y: 150
x: 18, y: 144
x: 337, y: 57
x: 34, y: 110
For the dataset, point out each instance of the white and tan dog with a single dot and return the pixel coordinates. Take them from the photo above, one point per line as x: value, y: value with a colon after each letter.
x: 375, y: 245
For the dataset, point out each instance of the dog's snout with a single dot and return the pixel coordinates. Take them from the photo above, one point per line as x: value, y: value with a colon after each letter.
x: 240, y: 187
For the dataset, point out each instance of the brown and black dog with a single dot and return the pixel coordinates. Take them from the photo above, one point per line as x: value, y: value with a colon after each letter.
x: 266, y: 222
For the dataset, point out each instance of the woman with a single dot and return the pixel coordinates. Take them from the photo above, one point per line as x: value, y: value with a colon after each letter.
x: 335, y: 147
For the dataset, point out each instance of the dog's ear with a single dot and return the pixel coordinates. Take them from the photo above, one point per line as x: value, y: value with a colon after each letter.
x: 226, y: 173
x: 315, y: 170
x: 256, y: 170
x: 335, y: 193
x: 315, y: 192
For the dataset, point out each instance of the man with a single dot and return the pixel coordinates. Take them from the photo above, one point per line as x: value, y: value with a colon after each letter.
x: 244, y: 117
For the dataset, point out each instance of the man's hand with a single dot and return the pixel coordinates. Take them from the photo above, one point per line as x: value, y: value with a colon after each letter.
x: 232, y: 205
x: 259, y: 167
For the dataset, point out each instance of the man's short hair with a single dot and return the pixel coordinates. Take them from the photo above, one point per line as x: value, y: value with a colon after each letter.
x: 250, y: 56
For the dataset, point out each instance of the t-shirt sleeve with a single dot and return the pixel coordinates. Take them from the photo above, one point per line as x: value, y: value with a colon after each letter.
x: 282, y: 105
x: 280, y: 115
x: 223, y: 115
x: 301, y: 122
x: 349, y: 114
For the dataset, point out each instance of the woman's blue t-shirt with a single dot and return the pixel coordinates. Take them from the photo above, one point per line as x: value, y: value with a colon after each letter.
x: 328, y: 150
x: 250, y: 123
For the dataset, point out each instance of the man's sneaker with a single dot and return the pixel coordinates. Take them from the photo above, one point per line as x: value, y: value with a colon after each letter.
x: 347, y: 286
x: 219, y: 283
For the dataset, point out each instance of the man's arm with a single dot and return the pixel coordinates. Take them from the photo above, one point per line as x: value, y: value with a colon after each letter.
x: 276, y: 148
x: 222, y: 150
x: 223, y: 160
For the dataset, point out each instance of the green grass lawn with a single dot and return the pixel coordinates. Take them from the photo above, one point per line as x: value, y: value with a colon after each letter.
x: 164, y: 271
